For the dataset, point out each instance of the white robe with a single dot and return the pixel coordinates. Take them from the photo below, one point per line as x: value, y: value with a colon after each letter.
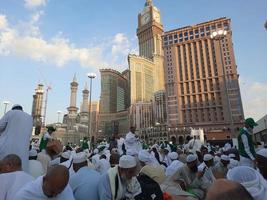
x: 11, y: 182
x: 36, y: 168
x: 15, y: 133
x: 33, y: 190
x: 174, y: 166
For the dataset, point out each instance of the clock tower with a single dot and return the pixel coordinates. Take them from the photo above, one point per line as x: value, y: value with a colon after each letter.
x: 149, y: 31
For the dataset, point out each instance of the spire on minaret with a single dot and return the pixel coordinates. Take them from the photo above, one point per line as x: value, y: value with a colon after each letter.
x: 85, y: 86
x: 74, y: 78
x: 148, y: 3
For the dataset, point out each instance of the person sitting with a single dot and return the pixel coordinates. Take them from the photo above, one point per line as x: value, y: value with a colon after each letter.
x: 251, y: 179
x: 12, y: 177
x: 221, y: 168
x: 175, y: 164
x: 120, y: 181
x: 84, y: 182
x: 53, y: 185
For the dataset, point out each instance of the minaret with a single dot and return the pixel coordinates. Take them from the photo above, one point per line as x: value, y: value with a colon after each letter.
x: 72, y: 108
x: 37, y: 106
x: 85, y: 105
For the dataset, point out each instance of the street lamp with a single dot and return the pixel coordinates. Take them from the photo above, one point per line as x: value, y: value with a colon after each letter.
x: 6, y: 103
x: 218, y: 36
x: 91, y: 76
x: 58, y: 115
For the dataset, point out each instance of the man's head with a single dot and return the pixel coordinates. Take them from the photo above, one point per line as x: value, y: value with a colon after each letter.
x: 191, y: 161
x: 79, y: 161
x: 145, y: 158
x: 17, y: 107
x: 65, y: 156
x: 225, y: 160
x: 114, y: 159
x: 250, y: 124
x: 132, y: 129
x: 55, y: 180
x: 173, y: 156
x: 50, y: 129
x: 11, y: 163
x: 127, y: 167
x: 261, y: 157
x: 223, y: 189
x: 208, y: 160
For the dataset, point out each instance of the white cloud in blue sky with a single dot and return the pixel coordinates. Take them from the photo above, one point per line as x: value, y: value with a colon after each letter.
x: 30, y: 4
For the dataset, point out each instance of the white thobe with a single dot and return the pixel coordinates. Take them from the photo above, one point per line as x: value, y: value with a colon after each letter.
x: 45, y: 159
x: 15, y: 133
x: 36, y: 168
x: 33, y: 190
x: 11, y: 182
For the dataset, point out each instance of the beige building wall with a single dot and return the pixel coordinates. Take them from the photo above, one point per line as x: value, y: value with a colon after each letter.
x: 201, y: 78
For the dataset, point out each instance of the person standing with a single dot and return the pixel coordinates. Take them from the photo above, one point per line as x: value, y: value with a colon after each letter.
x: 15, y: 132
x: 245, y: 144
x: 46, y: 137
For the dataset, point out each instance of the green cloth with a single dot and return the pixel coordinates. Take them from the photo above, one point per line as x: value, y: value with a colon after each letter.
x: 43, y: 143
x: 241, y: 147
x: 85, y: 144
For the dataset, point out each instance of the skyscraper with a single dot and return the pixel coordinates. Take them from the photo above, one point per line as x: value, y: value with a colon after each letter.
x: 201, y: 78
x: 114, y: 102
x: 146, y: 70
x: 73, y: 98
x: 85, y: 106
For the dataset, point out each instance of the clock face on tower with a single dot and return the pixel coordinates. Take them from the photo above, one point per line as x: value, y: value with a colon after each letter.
x: 145, y: 18
x: 156, y: 16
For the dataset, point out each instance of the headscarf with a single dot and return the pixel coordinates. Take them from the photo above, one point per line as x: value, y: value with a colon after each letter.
x: 252, y: 180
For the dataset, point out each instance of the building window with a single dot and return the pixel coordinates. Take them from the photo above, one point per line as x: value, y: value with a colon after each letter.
x: 207, y: 28
x: 196, y: 31
x: 180, y: 35
x: 219, y: 25
x: 185, y: 33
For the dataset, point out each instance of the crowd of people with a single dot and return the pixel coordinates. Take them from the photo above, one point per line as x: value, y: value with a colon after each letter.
x: 126, y: 168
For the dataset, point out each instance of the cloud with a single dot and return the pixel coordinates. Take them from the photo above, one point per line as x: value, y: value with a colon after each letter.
x: 254, y: 97
x: 3, y: 22
x: 25, y: 40
x: 30, y: 4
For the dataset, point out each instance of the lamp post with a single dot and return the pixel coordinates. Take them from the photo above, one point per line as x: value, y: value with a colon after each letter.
x: 6, y: 103
x: 58, y: 115
x: 91, y: 76
x: 219, y: 36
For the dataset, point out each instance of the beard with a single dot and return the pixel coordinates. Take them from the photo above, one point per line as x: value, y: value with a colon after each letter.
x: 194, y: 168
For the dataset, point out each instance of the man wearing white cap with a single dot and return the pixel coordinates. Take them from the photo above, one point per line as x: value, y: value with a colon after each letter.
x: 35, y: 167
x: 85, y: 181
x: 261, y: 157
x: 66, y: 160
x: 175, y: 164
x: 251, y: 179
x: 15, y: 133
x: 150, y: 168
x: 233, y: 162
x: 206, y: 167
x: 12, y: 177
x: 221, y: 167
x: 191, y: 177
x: 120, y: 181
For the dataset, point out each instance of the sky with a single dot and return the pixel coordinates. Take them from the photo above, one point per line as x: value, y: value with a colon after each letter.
x: 48, y: 41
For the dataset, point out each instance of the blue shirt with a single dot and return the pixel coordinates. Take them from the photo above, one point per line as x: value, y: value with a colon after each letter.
x: 84, y: 184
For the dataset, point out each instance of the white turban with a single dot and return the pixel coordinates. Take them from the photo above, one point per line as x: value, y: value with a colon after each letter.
x: 66, y: 154
x: 262, y: 152
x: 191, y: 158
x: 32, y: 153
x: 231, y: 155
x: 79, y: 157
x: 131, y: 152
x: 173, y: 155
x: 127, y: 161
x: 96, y: 151
x: 225, y: 158
x: 207, y: 157
x: 252, y: 180
x: 145, y: 157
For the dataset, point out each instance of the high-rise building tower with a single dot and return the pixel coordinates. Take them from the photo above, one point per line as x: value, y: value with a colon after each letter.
x: 147, y: 71
x: 37, y: 106
x: 72, y: 109
x: 85, y: 106
x: 114, y: 99
x: 201, y: 78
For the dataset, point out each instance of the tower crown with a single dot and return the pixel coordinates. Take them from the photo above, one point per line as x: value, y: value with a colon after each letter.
x: 148, y: 3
